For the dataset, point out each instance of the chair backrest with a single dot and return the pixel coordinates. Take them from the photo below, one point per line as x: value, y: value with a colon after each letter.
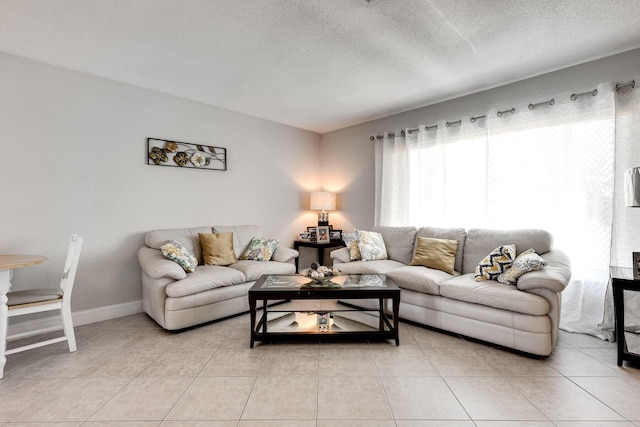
x: 71, y: 265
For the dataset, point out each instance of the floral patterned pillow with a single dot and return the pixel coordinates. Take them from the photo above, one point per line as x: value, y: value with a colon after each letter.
x: 176, y: 252
x: 527, y: 261
x: 260, y: 249
x: 371, y: 245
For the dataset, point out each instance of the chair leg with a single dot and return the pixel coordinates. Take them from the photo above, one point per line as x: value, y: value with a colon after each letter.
x: 67, y: 324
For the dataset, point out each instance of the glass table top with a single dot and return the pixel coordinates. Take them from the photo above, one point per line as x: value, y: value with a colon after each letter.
x: 334, y: 282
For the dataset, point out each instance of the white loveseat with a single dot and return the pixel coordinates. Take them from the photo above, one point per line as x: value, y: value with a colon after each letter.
x: 524, y: 317
x: 176, y: 299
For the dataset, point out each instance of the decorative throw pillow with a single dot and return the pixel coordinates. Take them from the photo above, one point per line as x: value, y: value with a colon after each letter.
x: 439, y: 254
x: 260, y: 249
x: 217, y: 248
x: 176, y: 252
x: 351, y: 242
x: 527, y: 261
x: 496, y: 263
x: 371, y: 245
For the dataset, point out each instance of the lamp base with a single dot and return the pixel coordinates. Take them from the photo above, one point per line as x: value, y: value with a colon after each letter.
x: 323, y: 218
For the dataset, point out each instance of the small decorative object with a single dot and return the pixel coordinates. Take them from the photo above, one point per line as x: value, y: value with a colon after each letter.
x: 319, y: 273
x: 323, y: 322
x: 185, y: 155
x: 323, y: 234
x: 636, y: 265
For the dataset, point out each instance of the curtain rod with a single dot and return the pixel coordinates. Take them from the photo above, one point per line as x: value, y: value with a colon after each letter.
x: 552, y: 101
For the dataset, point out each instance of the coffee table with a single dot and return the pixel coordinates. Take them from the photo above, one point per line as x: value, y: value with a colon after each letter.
x: 298, y: 307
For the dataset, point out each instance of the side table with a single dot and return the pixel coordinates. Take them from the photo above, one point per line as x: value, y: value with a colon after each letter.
x: 320, y: 247
x: 619, y: 285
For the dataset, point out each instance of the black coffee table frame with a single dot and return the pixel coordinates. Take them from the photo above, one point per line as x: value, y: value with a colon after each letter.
x: 259, y: 331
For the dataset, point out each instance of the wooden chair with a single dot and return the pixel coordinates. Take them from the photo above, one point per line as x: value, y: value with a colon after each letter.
x: 39, y: 300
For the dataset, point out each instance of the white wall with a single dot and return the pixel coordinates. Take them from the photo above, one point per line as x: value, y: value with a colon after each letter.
x: 348, y: 154
x: 73, y: 160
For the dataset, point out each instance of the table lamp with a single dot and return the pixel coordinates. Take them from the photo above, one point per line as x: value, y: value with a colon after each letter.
x: 632, y: 187
x: 323, y: 201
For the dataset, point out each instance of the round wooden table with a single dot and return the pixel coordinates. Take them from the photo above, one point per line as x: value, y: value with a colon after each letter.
x: 7, y: 264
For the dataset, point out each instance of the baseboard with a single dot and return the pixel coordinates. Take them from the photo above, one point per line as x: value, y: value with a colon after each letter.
x: 84, y: 317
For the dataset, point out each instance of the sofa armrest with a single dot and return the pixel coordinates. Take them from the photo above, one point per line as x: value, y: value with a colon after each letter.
x: 554, y: 276
x: 282, y: 254
x: 157, y: 266
x: 341, y: 255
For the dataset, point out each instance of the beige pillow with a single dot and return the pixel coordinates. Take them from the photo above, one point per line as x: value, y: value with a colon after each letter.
x: 439, y: 254
x: 217, y: 248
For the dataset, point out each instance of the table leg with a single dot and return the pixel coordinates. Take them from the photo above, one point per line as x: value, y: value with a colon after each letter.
x: 252, y: 313
x: 5, y: 285
x: 264, y: 312
x: 396, y: 313
x: 320, y: 256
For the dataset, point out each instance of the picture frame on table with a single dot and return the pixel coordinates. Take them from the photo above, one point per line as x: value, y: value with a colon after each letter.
x: 636, y: 265
x: 322, y: 234
x: 312, y: 233
x: 305, y: 236
x: 335, y: 234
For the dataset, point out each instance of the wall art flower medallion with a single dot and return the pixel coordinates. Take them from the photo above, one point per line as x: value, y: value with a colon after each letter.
x: 162, y: 152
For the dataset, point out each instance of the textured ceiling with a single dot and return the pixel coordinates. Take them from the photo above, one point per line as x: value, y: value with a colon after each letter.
x: 319, y: 65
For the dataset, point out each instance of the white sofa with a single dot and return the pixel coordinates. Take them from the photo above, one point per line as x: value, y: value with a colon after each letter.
x: 176, y: 299
x: 524, y: 317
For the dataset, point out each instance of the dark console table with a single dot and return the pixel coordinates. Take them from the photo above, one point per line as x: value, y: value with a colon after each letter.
x: 320, y: 247
x: 619, y: 285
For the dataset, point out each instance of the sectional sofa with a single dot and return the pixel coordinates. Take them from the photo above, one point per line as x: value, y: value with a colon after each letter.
x: 524, y: 316
x: 177, y: 299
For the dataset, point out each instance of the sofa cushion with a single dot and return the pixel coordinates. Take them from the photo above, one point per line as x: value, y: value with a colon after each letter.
x: 419, y: 279
x: 526, y: 262
x: 399, y: 242
x: 187, y: 236
x: 439, y: 254
x: 481, y: 241
x: 459, y: 234
x: 371, y: 245
x: 260, y: 249
x: 176, y: 252
x: 495, y: 263
x: 252, y: 270
x: 493, y: 294
x: 282, y: 254
x: 368, y: 267
x: 217, y: 248
x: 204, y: 278
x: 242, y: 235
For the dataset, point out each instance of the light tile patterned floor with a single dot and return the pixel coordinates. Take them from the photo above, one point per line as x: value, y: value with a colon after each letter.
x: 129, y: 372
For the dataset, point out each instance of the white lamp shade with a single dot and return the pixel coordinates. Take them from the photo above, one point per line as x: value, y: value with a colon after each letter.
x: 323, y: 201
x: 632, y: 187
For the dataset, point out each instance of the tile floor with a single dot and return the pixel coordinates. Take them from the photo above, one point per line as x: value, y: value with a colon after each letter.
x: 129, y: 372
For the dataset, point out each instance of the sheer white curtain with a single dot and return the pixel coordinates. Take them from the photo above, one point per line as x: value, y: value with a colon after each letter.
x: 551, y: 167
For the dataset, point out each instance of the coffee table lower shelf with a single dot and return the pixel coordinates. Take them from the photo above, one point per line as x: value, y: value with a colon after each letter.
x: 347, y: 323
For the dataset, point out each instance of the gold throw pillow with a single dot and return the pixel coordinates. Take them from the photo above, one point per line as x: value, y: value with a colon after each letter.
x: 439, y: 254
x: 217, y: 248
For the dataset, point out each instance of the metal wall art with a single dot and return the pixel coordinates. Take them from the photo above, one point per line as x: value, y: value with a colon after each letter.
x: 162, y: 152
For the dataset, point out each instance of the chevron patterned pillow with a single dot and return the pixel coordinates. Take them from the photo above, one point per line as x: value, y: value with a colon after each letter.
x: 496, y: 263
